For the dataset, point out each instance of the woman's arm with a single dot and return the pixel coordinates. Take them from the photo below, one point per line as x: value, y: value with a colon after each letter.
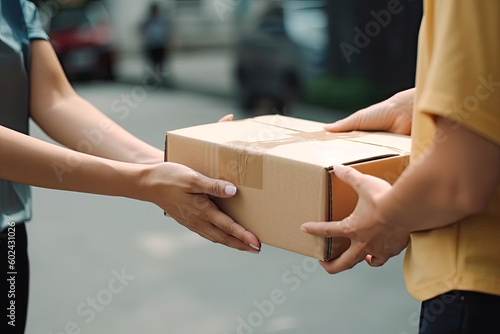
x: 74, y: 122
x: 177, y: 189
x: 131, y: 168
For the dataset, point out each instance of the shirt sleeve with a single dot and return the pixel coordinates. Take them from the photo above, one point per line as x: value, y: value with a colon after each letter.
x: 462, y: 58
x: 32, y: 19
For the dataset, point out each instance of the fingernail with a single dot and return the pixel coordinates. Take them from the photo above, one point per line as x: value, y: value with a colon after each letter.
x: 304, y: 229
x: 253, y: 252
x: 230, y: 190
x: 254, y: 247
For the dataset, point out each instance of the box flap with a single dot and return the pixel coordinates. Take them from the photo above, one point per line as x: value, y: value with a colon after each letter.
x: 332, y: 152
x: 290, y: 123
x: 299, y: 140
x: 392, y: 140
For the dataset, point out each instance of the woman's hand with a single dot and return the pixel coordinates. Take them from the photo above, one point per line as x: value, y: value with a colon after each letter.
x: 372, y: 239
x: 182, y: 193
x: 227, y: 118
x: 392, y: 115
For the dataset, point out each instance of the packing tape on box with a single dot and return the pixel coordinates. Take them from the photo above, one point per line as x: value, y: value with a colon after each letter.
x: 241, y: 166
x: 294, y: 138
x: 242, y: 163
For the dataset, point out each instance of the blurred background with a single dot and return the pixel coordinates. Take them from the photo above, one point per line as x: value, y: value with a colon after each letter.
x: 106, y: 265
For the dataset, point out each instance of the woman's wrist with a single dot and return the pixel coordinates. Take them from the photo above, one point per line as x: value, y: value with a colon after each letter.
x: 151, y: 157
x: 136, y: 181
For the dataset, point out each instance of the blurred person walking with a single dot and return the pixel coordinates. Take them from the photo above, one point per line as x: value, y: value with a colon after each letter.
x: 445, y: 207
x: 100, y: 157
x: 156, y: 33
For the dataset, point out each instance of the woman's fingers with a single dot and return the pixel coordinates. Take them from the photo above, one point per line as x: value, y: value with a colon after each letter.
x: 206, y: 219
x: 227, y: 118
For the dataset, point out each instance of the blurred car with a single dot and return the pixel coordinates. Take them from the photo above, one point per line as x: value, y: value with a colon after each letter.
x: 82, y: 39
x: 278, y: 54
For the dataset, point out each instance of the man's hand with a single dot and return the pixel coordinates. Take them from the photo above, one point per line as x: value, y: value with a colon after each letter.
x: 182, y: 193
x: 392, y: 115
x: 371, y: 238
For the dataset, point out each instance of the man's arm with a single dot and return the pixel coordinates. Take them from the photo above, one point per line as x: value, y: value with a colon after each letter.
x: 71, y: 121
x: 455, y: 178
x: 449, y: 182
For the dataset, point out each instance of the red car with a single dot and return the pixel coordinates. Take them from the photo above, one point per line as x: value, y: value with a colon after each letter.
x: 82, y: 38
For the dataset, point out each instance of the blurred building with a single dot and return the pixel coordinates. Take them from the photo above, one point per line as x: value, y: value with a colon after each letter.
x: 338, y: 53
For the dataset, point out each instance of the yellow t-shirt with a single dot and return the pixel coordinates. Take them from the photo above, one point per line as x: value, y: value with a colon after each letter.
x: 458, y: 77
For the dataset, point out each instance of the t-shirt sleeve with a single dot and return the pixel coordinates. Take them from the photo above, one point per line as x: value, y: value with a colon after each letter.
x: 462, y: 55
x: 32, y: 19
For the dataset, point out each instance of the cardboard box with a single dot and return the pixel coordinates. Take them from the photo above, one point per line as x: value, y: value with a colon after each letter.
x: 282, y: 167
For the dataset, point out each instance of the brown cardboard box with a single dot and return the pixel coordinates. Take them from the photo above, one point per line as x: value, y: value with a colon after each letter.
x: 282, y: 167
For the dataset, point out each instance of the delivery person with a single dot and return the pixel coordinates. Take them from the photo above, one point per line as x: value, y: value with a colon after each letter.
x: 446, y: 206
x: 32, y: 83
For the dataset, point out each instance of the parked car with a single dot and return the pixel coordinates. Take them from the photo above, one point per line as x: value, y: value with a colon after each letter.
x: 82, y: 39
x: 279, y: 53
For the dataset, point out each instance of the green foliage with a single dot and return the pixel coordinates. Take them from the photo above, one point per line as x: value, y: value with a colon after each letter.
x: 351, y: 93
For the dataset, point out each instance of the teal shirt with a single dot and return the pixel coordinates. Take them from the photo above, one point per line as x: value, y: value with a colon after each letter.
x: 19, y: 23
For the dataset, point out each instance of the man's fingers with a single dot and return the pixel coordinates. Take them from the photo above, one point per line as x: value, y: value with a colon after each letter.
x: 363, y: 184
x: 343, y: 125
x: 371, y: 118
x: 350, y: 176
x: 339, y: 126
x: 375, y: 261
x: 360, y: 120
x: 346, y: 261
x: 326, y: 229
x: 349, y: 123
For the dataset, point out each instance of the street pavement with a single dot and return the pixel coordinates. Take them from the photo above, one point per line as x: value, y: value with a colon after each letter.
x: 114, y: 265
